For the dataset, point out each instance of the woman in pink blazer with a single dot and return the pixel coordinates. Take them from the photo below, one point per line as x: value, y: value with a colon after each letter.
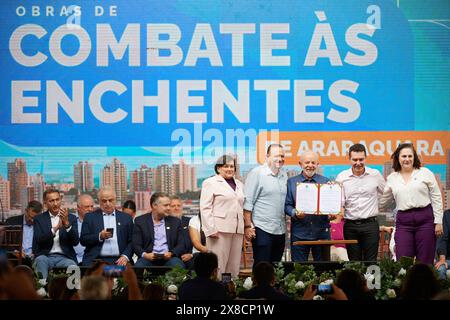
x: 221, y: 209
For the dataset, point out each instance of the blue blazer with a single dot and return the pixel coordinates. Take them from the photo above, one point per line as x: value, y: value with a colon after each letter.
x: 93, y: 225
x: 186, y: 237
x: 144, y: 235
x: 43, y: 236
x: 443, y: 244
x: 311, y: 227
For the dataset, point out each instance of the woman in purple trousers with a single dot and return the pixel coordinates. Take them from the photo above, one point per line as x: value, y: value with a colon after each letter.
x: 419, y: 202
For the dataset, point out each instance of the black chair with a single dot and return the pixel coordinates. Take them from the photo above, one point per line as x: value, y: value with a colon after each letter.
x: 11, y: 242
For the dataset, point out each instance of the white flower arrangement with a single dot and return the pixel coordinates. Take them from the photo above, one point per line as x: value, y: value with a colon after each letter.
x: 391, y: 293
x: 299, y: 285
x: 397, y: 282
x: 402, y: 272
x: 248, y: 283
x: 317, y: 297
x: 41, y: 292
x: 327, y: 282
x: 115, y: 283
x: 172, y: 289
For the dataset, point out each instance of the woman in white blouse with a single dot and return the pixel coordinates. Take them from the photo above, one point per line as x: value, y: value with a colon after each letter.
x: 419, y: 202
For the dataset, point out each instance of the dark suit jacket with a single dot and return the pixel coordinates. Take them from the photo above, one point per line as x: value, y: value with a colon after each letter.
x: 93, y: 225
x: 144, y: 235
x: 186, y: 238
x: 443, y: 241
x: 43, y: 236
x: 15, y: 221
x: 202, y: 289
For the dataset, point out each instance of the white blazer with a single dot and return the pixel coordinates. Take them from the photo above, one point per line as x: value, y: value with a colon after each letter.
x: 222, y: 208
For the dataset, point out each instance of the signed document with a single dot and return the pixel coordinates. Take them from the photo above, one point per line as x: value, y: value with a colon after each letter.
x: 307, y: 197
x: 312, y: 198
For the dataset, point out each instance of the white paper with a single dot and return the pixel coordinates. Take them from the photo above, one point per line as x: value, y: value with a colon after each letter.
x: 306, y: 198
x: 330, y: 199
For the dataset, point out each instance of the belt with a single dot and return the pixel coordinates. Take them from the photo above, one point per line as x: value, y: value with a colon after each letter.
x: 362, y: 221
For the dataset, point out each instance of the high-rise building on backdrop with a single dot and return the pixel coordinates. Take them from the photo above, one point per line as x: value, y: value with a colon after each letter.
x: 4, y: 196
x: 83, y: 177
x: 18, y: 178
x: 115, y: 175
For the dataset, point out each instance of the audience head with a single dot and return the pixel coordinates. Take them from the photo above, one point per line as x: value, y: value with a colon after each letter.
x: 58, y: 290
x: 94, y: 287
x: 420, y: 283
x: 153, y: 291
x: 206, y: 265
x: 27, y: 271
x: 129, y: 207
x: 264, y: 274
x: 352, y: 283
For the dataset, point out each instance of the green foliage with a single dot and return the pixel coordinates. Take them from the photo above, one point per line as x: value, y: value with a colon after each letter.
x: 392, y: 274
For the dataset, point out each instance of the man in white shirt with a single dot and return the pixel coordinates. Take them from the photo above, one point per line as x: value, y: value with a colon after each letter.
x: 362, y: 186
x: 85, y: 204
x: 54, y: 236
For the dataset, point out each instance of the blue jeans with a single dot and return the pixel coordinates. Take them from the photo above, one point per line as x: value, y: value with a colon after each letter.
x: 443, y: 271
x: 267, y: 247
x: 174, y: 261
x: 43, y: 263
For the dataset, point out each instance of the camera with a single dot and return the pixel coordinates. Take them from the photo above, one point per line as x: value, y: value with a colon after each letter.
x: 113, y: 271
x: 324, y: 288
x: 226, y: 278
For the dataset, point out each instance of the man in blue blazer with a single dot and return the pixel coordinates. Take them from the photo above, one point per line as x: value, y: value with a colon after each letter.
x: 306, y: 226
x: 107, y: 233
x: 55, y: 232
x: 158, y: 237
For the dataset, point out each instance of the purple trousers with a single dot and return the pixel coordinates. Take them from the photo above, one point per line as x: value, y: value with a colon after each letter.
x: 414, y: 234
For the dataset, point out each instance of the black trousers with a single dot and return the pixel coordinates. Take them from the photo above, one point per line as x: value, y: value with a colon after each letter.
x: 367, y: 232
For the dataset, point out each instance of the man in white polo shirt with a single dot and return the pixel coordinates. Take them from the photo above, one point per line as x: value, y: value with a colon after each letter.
x: 362, y: 188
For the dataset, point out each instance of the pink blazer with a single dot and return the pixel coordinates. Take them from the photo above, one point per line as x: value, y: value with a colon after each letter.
x: 221, y: 207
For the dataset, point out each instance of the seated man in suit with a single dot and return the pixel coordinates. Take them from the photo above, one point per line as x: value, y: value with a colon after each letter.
x: 106, y: 233
x: 176, y: 210
x: 158, y: 237
x: 54, y: 236
x: 205, y: 285
x: 26, y: 221
x: 443, y: 247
